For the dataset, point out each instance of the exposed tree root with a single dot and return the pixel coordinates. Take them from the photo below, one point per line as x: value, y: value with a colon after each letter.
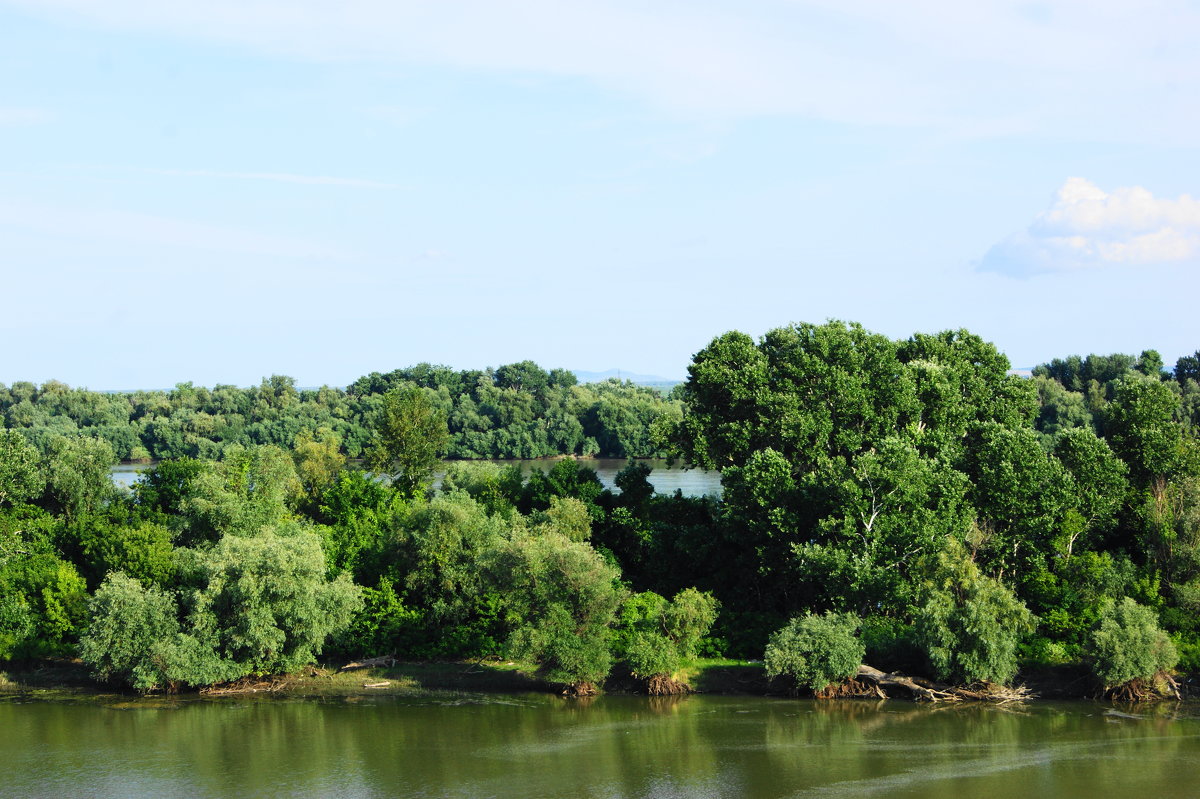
x: 664, y: 685
x: 581, y: 689
x: 852, y: 688
x: 1161, y: 686
x: 929, y: 691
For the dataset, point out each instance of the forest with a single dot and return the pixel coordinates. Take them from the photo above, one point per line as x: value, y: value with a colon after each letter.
x: 515, y: 411
x: 911, y: 504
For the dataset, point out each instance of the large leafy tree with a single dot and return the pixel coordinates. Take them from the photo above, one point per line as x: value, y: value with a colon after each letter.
x: 411, y: 435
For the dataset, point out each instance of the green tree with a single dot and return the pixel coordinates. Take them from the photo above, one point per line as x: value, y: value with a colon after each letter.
x: 20, y: 478
x: 1127, y: 644
x: 129, y: 624
x: 264, y: 603
x: 561, y: 598
x: 76, y: 470
x: 318, y: 459
x: 816, y: 651
x: 51, y: 598
x: 655, y: 636
x: 968, y: 624
x: 411, y: 434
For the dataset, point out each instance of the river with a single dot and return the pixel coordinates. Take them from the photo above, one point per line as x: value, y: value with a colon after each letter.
x: 665, y: 479
x: 532, y: 746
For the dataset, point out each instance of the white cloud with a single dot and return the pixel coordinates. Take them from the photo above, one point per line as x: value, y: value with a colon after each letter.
x: 1087, y: 227
x: 1061, y: 66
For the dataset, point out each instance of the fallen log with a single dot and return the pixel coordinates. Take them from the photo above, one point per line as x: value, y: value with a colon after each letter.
x: 383, y: 684
x: 929, y: 691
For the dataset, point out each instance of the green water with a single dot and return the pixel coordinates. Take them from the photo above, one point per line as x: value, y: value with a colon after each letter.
x: 542, y: 746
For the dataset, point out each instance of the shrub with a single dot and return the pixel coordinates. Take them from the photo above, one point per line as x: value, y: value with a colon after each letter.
x: 1127, y: 644
x: 816, y: 651
x: 969, y: 624
x: 655, y: 636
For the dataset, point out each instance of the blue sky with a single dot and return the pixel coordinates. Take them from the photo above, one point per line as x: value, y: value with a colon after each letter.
x: 219, y: 191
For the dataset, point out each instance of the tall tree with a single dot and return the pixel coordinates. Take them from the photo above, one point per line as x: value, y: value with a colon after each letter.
x: 411, y: 435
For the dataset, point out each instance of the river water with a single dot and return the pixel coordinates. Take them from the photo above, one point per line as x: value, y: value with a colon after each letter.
x: 665, y: 479
x: 534, y: 746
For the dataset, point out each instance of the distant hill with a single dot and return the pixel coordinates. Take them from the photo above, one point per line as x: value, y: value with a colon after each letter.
x: 621, y: 374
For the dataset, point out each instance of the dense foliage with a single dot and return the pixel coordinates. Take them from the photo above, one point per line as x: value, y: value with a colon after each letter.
x: 816, y: 650
x: 516, y: 411
x: 968, y: 518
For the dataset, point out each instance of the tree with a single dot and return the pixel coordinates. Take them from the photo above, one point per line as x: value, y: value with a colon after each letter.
x: 264, y: 604
x: 76, y: 469
x: 969, y: 624
x: 129, y: 623
x: 20, y: 479
x: 655, y: 636
x: 411, y: 434
x: 250, y: 490
x: 319, y: 460
x: 816, y: 651
x: 561, y: 598
x: 1127, y: 644
x: 51, y: 597
x: 1141, y: 427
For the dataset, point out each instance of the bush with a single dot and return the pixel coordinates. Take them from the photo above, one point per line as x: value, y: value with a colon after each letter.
x: 1127, y: 644
x: 655, y: 636
x: 816, y: 651
x: 128, y: 619
x: 969, y: 624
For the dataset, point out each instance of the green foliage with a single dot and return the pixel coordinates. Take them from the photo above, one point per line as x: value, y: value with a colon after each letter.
x: 439, y: 549
x: 319, y: 460
x: 129, y: 624
x: 264, y: 604
x: 969, y: 624
x: 1127, y: 644
x: 816, y: 650
x: 561, y: 598
x: 1141, y: 427
x: 142, y: 551
x: 411, y: 434
x: 46, y: 607
x: 654, y: 636
x: 20, y: 478
x: 76, y: 472
x: 250, y: 490
x: 360, y: 512
x: 384, y: 625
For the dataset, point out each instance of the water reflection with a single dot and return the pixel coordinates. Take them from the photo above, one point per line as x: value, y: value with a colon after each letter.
x: 541, y: 746
x: 665, y: 479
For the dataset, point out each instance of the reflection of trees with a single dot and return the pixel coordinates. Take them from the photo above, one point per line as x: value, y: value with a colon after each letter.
x: 609, y: 746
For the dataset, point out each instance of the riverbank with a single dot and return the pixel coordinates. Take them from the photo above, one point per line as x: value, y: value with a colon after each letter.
x: 710, y: 676
x: 704, y: 676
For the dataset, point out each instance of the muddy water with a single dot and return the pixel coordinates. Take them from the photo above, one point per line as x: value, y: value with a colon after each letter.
x: 543, y: 746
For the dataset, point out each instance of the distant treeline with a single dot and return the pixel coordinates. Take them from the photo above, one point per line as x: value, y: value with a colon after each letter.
x: 908, y: 503
x: 516, y: 411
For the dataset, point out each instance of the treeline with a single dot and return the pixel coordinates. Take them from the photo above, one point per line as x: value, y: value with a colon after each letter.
x: 516, y: 411
x: 906, y: 503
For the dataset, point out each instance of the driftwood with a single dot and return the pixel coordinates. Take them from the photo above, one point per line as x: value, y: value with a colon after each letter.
x: 382, y: 660
x: 929, y: 691
x: 383, y: 684
x: 246, y: 685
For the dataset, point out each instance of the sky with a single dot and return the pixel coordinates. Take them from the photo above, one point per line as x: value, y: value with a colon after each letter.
x: 215, y: 192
